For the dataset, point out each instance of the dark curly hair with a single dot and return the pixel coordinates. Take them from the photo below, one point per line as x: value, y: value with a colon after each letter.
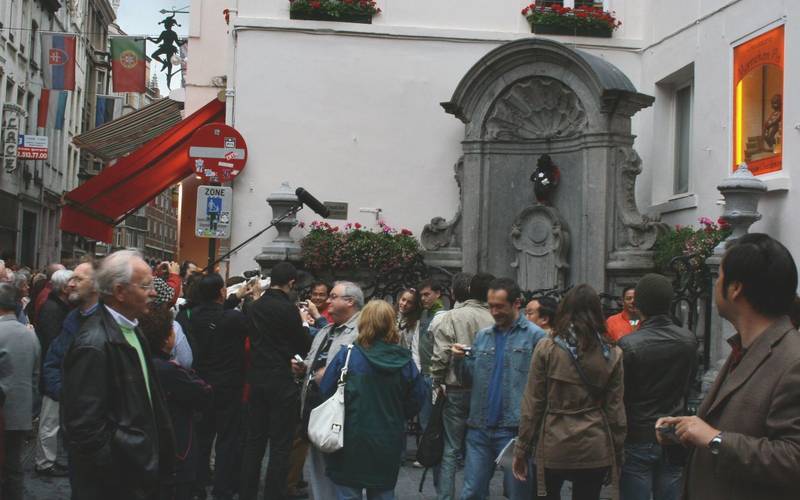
x: 157, y: 327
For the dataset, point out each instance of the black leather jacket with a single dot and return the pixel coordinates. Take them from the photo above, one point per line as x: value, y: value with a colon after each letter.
x: 659, y: 360
x: 120, y: 441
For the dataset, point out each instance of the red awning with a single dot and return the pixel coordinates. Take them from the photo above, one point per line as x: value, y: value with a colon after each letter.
x: 95, y: 207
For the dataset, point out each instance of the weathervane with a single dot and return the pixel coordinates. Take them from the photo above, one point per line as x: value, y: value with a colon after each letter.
x: 168, y: 45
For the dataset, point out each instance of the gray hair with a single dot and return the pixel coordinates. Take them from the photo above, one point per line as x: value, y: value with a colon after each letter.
x: 116, y: 269
x: 21, y: 277
x: 60, y: 278
x: 354, y: 292
x: 8, y: 296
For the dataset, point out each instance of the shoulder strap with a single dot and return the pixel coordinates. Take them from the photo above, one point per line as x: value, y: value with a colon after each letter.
x: 593, y: 391
x: 346, y: 364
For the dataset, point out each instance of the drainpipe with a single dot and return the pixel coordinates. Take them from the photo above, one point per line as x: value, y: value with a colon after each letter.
x: 230, y: 85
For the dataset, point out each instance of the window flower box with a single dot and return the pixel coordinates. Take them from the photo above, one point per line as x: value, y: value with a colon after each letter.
x: 580, y: 21
x: 346, y: 11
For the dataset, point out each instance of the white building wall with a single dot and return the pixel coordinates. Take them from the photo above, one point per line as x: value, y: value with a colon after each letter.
x: 351, y: 112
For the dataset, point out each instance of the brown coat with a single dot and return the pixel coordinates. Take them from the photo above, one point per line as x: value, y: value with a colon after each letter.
x: 757, y: 408
x: 561, y: 421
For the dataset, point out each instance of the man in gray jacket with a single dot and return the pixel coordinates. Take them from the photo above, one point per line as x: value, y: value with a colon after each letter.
x: 19, y: 381
x: 457, y: 326
x: 344, y: 305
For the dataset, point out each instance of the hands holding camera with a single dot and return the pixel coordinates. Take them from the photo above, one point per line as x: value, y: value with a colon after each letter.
x: 688, y: 431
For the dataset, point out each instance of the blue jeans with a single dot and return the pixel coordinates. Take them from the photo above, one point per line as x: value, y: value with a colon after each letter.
x: 647, y: 472
x: 349, y: 493
x: 456, y: 411
x: 483, y: 446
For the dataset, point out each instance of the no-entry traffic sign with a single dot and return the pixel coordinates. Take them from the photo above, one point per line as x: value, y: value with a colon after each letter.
x: 218, y: 152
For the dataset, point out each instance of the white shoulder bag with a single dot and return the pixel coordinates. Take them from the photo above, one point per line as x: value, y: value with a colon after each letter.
x: 326, y: 423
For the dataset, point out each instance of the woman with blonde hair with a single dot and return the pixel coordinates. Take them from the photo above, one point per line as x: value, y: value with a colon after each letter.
x: 384, y: 388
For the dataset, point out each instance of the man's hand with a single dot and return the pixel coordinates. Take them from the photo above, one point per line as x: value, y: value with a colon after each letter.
x: 691, y: 431
x: 312, y: 310
x: 458, y: 350
x: 242, y: 291
x: 298, y: 368
x: 520, y: 468
x: 318, y: 375
x: 306, y: 316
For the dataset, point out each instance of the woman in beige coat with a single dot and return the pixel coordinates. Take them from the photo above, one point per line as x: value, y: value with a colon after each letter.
x: 573, y: 417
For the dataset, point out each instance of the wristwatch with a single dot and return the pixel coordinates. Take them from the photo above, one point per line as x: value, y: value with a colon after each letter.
x: 715, y: 444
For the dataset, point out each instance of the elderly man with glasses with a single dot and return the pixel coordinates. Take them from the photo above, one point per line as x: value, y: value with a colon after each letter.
x: 116, y: 425
x: 344, y: 305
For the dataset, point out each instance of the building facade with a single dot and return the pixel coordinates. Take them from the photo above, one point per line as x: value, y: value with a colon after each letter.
x: 352, y: 112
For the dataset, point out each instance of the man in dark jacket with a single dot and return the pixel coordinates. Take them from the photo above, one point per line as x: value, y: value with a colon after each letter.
x: 51, y: 320
x: 659, y: 361
x: 83, y: 295
x: 218, y: 352
x: 116, y: 425
x: 276, y: 336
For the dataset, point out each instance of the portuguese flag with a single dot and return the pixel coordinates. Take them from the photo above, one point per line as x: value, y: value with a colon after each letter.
x: 128, y: 69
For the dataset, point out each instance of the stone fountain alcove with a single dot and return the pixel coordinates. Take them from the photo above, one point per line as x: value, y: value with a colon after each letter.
x: 521, y: 101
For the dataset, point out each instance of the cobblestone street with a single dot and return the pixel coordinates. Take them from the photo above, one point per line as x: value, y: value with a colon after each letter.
x: 39, y: 487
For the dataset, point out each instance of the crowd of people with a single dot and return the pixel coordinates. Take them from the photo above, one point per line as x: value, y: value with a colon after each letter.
x: 160, y: 384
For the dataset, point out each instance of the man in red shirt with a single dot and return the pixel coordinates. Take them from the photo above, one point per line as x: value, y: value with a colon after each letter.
x: 625, y: 322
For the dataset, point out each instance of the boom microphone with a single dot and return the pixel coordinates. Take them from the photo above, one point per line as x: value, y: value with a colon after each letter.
x: 312, y: 203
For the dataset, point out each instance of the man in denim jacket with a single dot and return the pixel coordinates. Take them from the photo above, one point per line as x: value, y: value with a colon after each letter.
x: 497, y: 367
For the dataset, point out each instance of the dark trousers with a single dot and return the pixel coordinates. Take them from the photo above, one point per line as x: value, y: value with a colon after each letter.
x: 273, y: 415
x: 586, y: 483
x: 223, y: 420
x: 12, y: 465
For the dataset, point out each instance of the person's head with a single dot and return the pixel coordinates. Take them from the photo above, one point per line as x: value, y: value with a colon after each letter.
x: 125, y: 282
x: 52, y: 268
x: 60, y: 283
x: 504, y: 300
x: 479, y: 286
x: 8, y: 298
x: 653, y: 295
x: 409, y: 307
x: 190, y: 292
x: 377, y: 322
x: 211, y: 288
x: 460, y: 285
x: 429, y: 292
x: 82, y: 286
x: 156, y: 326
x: 283, y: 276
x: 318, y: 294
x: 581, y: 313
x: 188, y: 268
x: 164, y: 292
x: 542, y: 312
x: 629, y: 299
x: 344, y: 301
x: 757, y: 276
x: 22, y: 282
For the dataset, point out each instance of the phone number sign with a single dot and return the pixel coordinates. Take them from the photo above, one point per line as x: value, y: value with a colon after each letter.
x: 32, y: 147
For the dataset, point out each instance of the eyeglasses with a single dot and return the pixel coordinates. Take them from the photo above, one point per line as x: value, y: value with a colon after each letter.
x: 148, y: 287
x: 333, y: 296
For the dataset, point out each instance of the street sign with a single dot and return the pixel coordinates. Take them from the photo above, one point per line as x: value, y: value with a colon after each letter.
x: 218, y: 152
x: 32, y: 147
x: 213, y: 215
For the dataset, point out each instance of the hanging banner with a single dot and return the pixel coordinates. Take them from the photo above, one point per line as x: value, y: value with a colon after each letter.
x: 128, y: 70
x: 58, y: 61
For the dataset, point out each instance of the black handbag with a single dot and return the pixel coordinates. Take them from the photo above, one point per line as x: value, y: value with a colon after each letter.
x: 431, y: 444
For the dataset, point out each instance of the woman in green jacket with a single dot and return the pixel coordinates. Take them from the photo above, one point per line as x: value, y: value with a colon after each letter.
x: 384, y: 389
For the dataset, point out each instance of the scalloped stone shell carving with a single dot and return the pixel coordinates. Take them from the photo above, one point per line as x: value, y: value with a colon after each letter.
x: 535, y: 108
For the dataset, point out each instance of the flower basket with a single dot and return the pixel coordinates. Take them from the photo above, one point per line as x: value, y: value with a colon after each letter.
x: 580, y: 21
x: 555, y: 29
x: 345, y: 11
x: 327, y: 250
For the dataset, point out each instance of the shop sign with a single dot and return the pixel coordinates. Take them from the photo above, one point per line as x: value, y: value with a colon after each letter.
x: 32, y: 147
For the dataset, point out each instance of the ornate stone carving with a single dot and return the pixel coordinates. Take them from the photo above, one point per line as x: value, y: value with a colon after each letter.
x: 639, y: 231
x: 535, y: 108
x: 541, y: 238
x: 441, y: 233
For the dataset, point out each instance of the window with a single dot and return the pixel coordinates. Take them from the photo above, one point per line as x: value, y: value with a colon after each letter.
x: 758, y: 103
x: 683, y: 138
